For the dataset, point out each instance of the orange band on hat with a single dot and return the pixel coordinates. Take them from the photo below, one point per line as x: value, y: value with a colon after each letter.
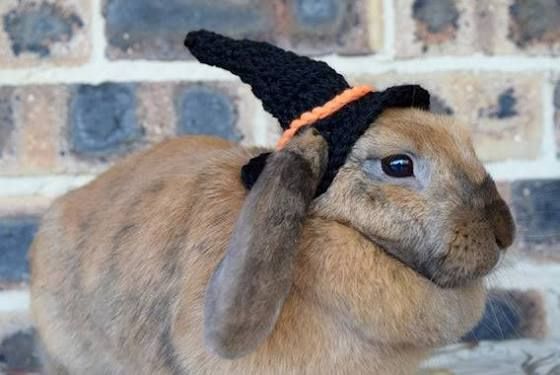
x: 318, y: 113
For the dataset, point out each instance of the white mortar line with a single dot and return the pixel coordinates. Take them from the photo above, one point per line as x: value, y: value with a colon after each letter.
x: 14, y: 300
x: 474, y: 63
x: 46, y: 186
x: 524, y: 273
x: 140, y: 70
x: 524, y: 169
x: 120, y: 71
x: 98, y: 33
x: 389, y: 20
x: 260, y: 128
x: 548, y: 147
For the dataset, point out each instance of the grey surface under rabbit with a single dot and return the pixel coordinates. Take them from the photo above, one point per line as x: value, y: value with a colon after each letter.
x: 165, y: 264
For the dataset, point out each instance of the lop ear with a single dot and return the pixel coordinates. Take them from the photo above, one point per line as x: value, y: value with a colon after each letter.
x: 248, y: 287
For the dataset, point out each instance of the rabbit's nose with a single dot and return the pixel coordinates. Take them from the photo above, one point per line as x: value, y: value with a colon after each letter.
x: 500, y: 243
x: 502, y: 222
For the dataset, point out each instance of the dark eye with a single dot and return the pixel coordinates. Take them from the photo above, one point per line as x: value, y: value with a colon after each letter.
x: 398, y: 166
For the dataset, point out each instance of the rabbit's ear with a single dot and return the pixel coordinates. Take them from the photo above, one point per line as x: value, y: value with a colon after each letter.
x: 248, y: 288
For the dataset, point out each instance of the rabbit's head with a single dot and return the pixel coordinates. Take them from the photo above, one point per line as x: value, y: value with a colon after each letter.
x: 409, y: 181
x: 414, y: 185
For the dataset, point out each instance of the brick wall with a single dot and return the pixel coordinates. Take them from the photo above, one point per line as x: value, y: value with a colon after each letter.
x: 84, y: 82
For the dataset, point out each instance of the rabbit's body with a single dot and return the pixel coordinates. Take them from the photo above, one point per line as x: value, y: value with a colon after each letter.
x: 121, y: 266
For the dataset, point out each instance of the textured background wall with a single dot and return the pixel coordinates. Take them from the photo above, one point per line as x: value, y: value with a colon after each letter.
x: 84, y: 82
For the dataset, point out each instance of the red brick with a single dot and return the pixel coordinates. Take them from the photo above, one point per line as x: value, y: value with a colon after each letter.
x: 534, y: 26
x: 155, y: 30
x: 536, y: 208
x: 462, y: 27
x: 437, y: 27
x: 42, y: 117
x: 36, y: 117
x: 329, y: 26
x: 8, y: 108
x: 136, y: 30
x: 19, y: 217
x: 42, y: 122
x: 39, y: 32
x: 161, y: 110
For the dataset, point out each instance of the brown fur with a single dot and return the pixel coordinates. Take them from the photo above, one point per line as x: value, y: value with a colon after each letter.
x: 121, y: 266
x: 261, y: 253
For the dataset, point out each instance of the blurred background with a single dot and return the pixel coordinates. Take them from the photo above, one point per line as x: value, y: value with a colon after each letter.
x: 85, y: 82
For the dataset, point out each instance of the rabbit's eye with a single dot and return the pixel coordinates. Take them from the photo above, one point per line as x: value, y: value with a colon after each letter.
x: 398, y: 166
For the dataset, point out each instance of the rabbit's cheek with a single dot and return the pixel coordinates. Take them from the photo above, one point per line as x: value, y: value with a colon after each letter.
x: 470, y: 255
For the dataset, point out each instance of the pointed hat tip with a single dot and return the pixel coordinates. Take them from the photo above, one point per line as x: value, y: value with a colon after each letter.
x: 194, y: 36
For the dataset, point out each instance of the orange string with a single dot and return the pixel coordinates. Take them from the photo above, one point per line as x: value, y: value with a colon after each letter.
x: 318, y: 113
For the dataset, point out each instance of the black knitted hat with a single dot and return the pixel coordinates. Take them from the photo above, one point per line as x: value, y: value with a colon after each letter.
x: 289, y: 85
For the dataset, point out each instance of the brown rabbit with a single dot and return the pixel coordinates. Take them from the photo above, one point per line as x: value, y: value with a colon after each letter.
x: 166, y: 264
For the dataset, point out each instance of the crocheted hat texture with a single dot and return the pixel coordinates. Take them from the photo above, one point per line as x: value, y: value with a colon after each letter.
x: 289, y: 85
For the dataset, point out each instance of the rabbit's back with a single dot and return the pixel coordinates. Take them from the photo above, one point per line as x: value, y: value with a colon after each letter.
x: 112, y: 258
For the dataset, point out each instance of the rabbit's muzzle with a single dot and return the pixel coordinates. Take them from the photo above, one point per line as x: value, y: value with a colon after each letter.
x: 475, y: 246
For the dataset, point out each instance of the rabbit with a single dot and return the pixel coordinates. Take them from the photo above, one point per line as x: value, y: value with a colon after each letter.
x: 167, y: 264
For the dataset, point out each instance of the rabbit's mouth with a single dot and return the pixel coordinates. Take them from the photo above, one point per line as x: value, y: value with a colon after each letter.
x: 408, y: 259
x: 453, y: 270
x: 448, y: 270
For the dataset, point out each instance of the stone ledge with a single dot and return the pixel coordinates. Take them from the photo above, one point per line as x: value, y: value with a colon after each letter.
x: 515, y: 357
